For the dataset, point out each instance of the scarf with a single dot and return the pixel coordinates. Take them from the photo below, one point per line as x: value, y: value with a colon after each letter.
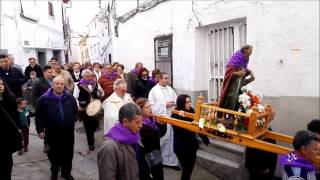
x: 150, y: 122
x: 135, y: 71
x: 87, y: 82
x: 123, y: 135
x: 295, y: 160
x: 50, y: 95
x: 110, y: 76
x: 238, y: 60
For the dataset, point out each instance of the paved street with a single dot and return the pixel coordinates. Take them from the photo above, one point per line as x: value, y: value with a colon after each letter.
x: 34, y: 165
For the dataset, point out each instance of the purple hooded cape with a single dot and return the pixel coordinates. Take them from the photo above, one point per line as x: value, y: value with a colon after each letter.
x: 293, y: 159
x: 238, y: 61
x: 123, y: 135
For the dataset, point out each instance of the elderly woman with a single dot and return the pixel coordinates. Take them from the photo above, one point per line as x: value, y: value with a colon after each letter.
x: 185, y: 143
x: 150, y: 134
x: 9, y: 133
x: 237, y: 75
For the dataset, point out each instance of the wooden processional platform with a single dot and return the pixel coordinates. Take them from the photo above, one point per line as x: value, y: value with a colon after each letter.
x: 241, y: 128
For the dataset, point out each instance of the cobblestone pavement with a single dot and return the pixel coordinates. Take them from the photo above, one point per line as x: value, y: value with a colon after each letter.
x: 34, y: 165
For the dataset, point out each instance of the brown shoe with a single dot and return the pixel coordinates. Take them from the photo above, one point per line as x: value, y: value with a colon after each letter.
x: 26, y: 149
x: 20, y: 152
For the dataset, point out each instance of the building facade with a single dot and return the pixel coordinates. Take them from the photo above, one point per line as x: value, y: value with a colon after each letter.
x: 193, y: 40
x: 32, y: 29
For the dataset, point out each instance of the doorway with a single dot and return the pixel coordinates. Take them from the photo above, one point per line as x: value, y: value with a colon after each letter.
x: 223, y: 41
x: 57, y: 54
x: 41, y: 56
x: 163, y: 54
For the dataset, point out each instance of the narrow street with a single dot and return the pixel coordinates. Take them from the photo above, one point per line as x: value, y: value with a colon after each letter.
x: 34, y: 165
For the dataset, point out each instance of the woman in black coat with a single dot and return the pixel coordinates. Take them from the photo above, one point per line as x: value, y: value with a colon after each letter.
x: 10, y: 137
x: 143, y: 84
x: 150, y: 134
x: 185, y: 143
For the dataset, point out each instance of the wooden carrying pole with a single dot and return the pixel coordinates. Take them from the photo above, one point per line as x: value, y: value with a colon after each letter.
x: 253, y: 137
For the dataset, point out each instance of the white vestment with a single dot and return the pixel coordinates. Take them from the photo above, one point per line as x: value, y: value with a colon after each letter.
x: 158, y: 96
x: 111, y: 107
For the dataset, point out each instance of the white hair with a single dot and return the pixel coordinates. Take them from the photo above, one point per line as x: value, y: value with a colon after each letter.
x: 117, y: 83
x: 58, y: 78
x: 86, y: 72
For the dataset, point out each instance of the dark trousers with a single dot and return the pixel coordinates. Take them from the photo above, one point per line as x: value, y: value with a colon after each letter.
x: 157, y: 172
x: 60, y: 154
x: 187, y: 161
x: 255, y: 175
x: 90, y: 125
x: 25, y: 136
x: 6, y: 163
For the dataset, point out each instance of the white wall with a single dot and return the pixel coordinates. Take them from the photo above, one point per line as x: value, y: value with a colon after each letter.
x: 136, y: 40
x: 47, y: 33
x: 277, y: 30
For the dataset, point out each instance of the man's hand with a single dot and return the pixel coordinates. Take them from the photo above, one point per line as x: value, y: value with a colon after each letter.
x: 41, y: 135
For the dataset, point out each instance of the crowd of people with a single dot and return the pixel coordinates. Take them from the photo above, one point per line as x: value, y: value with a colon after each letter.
x: 135, y: 146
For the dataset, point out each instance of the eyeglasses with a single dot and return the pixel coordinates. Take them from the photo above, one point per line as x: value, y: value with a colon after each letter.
x: 188, y: 101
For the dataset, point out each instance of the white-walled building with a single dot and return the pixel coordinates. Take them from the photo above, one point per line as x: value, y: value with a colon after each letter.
x: 32, y: 29
x: 192, y: 40
x: 79, y: 47
x: 93, y: 42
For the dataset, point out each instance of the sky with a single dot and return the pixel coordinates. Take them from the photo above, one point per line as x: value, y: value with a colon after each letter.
x: 81, y: 13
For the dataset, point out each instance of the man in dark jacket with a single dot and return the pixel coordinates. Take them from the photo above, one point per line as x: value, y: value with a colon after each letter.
x: 11, y: 75
x: 33, y: 66
x: 132, y: 79
x: 42, y: 85
x: 56, y: 115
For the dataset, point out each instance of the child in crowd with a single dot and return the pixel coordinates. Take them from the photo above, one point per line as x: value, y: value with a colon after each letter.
x: 27, y: 94
x: 24, y: 122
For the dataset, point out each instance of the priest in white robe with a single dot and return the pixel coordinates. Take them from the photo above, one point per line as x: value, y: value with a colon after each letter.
x: 114, y: 102
x: 162, y: 99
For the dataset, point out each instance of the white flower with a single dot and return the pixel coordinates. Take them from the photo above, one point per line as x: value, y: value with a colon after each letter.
x: 244, y: 100
x: 249, y: 111
x: 201, y: 123
x: 246, y: 88
x: 221, y: 127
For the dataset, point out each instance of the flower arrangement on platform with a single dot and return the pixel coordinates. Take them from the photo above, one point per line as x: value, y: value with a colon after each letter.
x: 248, y: 101
x: 208, y: 118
